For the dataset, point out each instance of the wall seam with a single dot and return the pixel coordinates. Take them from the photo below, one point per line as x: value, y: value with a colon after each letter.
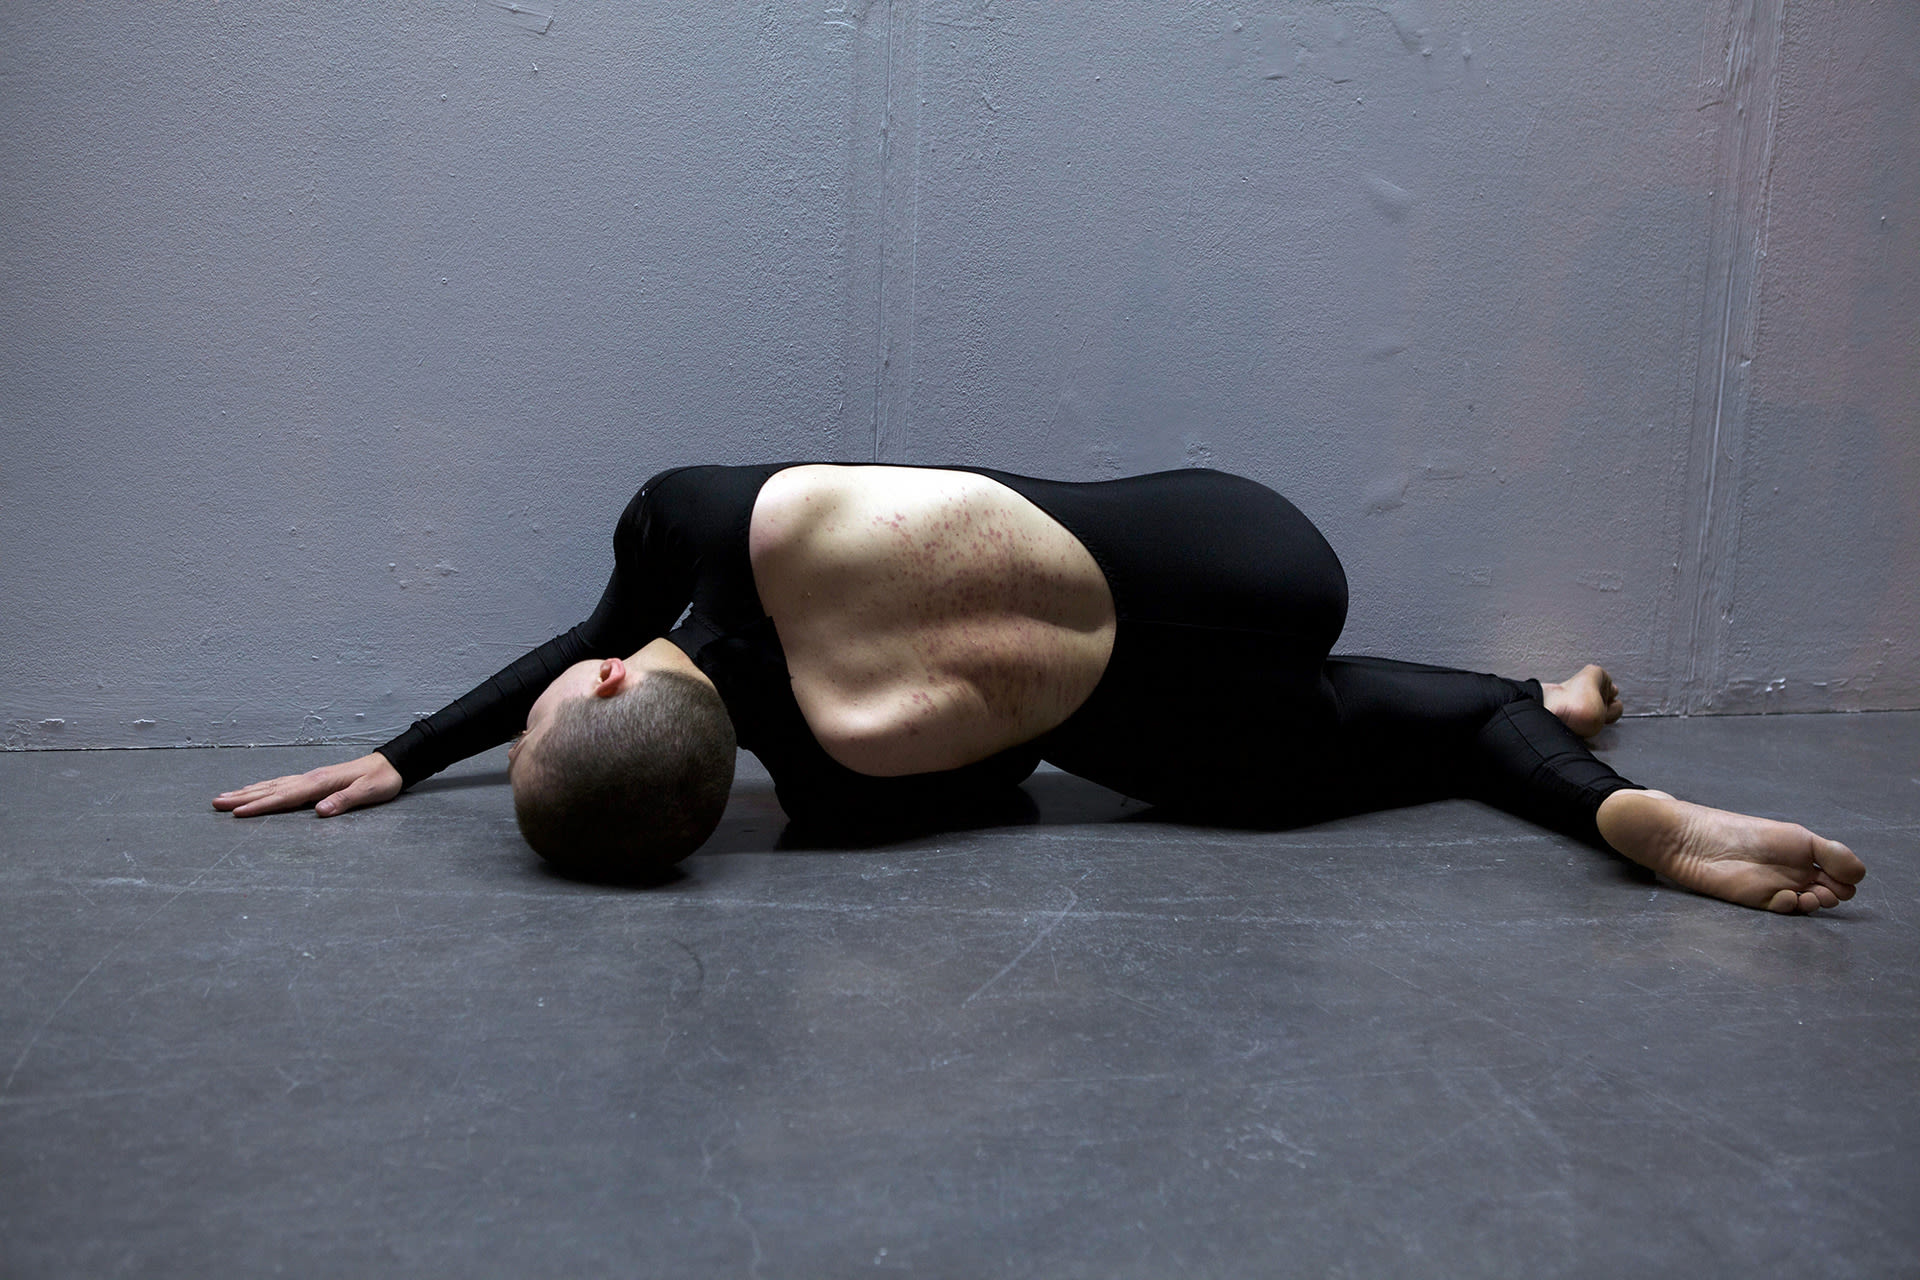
x: 880, y: 240
x: 897, y: 233
x: 1736, y: 249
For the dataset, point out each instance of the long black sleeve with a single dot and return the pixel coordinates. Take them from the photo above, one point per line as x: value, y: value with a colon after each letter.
x: 653, y: 574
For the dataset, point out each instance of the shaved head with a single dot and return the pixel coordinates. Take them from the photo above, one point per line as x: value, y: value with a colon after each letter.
x: 621, y: 787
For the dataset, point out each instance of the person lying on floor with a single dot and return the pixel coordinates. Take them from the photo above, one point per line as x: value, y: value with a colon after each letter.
x: 898, y: 642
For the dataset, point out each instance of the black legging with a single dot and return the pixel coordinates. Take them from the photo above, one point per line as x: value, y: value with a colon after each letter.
x: 1411, y: 733
x: 1221, y: 699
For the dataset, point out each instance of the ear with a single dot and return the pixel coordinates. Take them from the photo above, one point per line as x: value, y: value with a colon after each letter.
x: 611, y: 678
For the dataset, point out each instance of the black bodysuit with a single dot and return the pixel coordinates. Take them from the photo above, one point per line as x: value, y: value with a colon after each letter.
x: 1220, y: 699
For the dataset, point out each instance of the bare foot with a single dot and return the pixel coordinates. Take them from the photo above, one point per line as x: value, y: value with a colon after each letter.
x: 1755, y: 862
x: 1586, y: 703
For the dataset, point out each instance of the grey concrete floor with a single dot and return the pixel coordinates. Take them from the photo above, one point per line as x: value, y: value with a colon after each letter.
x: 1433, y: 1042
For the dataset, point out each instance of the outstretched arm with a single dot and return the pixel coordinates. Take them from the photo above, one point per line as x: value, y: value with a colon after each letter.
x: 650, y: 585
x: 483, y: 717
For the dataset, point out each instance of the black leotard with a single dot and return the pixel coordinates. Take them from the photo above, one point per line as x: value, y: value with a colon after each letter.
x: 1219, y: 699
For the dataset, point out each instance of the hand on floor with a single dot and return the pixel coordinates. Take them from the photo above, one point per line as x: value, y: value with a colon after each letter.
x: 352, y: 784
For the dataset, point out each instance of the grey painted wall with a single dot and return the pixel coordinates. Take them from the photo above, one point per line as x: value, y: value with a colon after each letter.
x: 335, y: 337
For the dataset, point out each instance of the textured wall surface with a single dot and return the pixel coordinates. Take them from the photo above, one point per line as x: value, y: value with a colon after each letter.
x: 333, y: 339
x: 1821, y: 607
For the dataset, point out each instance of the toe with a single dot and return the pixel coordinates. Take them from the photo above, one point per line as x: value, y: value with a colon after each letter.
x: 1785, y: 901
x: 1839, y: 861
x: 1839, y: 889
x: 1822, y: 895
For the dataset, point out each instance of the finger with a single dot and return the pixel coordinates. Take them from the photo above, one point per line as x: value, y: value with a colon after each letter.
x: 253, y: 808
x: 276, y: 803
x: 232, y: 799
x: 339, y: 802
x: 356, y: 794
x: 291, y: 793
x: 255, y: 790
x: 239, y: 798
x: 241, y: 794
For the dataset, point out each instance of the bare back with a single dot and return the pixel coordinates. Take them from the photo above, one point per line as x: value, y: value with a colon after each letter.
x: 929, y: 618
